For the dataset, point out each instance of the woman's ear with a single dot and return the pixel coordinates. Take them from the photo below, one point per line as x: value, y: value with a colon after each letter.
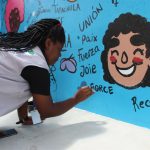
x: 47, y: 43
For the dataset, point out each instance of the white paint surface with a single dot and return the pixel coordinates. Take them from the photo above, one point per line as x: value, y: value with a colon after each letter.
x: 75, y: 130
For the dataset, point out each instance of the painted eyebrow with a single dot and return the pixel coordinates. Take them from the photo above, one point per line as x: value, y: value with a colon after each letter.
x: 137, y: 40
x: 114, y: 51
x: 113, y: 42
x: 139, y: 50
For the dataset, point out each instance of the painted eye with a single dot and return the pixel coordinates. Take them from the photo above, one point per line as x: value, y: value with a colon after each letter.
x: 138, y: 50
x: 114, y: 52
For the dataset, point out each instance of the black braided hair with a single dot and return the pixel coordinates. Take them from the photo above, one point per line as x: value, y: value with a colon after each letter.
x: 35, y: 35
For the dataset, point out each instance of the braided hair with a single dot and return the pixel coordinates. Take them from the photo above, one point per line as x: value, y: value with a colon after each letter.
x: 35, y: 35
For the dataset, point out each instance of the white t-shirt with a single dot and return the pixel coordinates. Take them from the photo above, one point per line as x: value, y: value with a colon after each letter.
x: 14, y: 89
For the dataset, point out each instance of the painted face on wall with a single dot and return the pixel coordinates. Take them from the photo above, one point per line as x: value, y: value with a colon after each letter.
x: 127, y: 62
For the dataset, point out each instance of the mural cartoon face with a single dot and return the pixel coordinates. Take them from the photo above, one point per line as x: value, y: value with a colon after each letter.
x: 126, y: 62
x: 126, y: 58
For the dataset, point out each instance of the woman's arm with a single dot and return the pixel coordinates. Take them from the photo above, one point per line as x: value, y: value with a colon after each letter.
x: 39, y: 82
x: 47, y: 108
x: 23, y: 115
x: 23, y: 111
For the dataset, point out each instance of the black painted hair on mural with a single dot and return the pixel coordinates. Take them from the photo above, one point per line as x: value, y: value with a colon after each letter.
x: 35, y: 35
x: 124, y: 24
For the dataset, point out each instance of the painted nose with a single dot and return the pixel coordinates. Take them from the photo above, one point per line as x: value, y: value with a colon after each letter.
x: 124, y: 58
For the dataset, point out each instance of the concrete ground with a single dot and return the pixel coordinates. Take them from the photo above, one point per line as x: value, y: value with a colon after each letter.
x: 75, y: 130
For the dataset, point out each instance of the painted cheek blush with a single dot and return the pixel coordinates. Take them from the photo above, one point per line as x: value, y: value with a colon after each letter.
x: 113, y: 59
x: 137, y: 60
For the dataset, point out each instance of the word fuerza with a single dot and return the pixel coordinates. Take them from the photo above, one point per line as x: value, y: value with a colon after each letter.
x: 88, y: 54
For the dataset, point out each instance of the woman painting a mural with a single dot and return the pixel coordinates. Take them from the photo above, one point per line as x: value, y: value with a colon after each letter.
x: 24, y: 71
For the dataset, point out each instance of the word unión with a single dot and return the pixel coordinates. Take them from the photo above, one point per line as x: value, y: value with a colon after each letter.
x: 91, y: 18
